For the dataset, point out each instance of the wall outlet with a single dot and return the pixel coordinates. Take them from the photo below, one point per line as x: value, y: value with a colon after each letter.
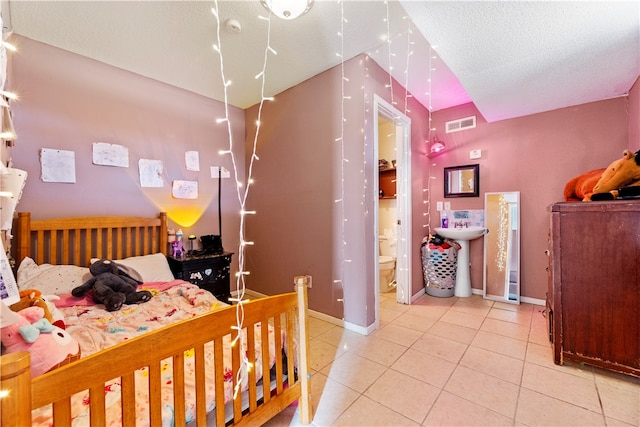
x: 475, y: 154
x: 447, y: 206
x: 438, y: 206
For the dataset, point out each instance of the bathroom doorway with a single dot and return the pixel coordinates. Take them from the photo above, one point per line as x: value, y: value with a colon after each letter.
x: 393, y: 128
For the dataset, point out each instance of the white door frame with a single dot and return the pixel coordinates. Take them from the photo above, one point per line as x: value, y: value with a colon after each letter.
x: 403, y: 200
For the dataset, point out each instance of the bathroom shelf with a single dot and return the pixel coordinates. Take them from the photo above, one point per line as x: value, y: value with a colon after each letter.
x: 387, y: 183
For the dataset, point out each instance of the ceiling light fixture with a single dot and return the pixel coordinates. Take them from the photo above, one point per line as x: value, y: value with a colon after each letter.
x: 287, y: 9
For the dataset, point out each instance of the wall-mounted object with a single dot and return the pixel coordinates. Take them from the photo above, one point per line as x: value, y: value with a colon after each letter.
x: 460, y: 124
x: 58, y: 165
x: 436, y: 145
x: 184, y: 189
x: 151, y: 173
x: 462, y: 181
x: 106, y: 154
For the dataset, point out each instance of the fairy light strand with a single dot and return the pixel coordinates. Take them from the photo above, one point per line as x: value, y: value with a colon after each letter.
x: 407, y: 95
x: 340, y: 140
x: 242, y: 194
x: 431, y: 129
x: 389, y: 54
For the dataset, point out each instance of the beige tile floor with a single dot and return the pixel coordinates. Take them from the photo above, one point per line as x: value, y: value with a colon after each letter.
x: 459, y: 362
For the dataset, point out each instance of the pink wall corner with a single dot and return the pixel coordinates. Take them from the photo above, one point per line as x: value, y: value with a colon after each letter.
x: 313, y: 193
x: 634, y: 116
x: 298, y: 228
x: 535, y: 155
x: 68, y: 102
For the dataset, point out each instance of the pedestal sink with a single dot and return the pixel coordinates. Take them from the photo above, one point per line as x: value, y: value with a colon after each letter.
x: 462, y: 236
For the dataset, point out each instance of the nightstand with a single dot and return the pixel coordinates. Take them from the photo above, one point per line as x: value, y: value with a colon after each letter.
x: 210, y: 272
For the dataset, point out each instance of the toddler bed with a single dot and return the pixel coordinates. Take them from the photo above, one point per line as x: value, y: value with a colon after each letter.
x: 173, y: 360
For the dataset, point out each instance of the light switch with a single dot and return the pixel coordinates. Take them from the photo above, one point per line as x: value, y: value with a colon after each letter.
x: 447, y: 206
x: 475, y: 154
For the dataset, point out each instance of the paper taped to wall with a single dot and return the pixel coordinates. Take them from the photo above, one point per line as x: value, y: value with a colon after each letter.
x: 151, y: 173
x: 58, y: 165
x: 105, y: 154
x: 185, y: 189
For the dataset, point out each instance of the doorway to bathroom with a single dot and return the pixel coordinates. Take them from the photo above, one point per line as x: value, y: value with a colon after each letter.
x: 392, y: 212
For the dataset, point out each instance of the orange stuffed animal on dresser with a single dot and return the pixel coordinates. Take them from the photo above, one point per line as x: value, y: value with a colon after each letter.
x: 606, y: 184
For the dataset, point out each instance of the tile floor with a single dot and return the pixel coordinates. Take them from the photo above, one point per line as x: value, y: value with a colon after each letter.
x: 458, y: 362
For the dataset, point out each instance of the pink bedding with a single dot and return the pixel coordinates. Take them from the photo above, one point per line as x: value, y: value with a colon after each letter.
x: 96, y: 329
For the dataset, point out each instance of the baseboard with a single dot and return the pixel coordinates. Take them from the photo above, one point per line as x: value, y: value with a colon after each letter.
x: 321, y: 316
x: 527, y: 300
x: 417, y: 295
x: 366, y: 330
x: 534, y: 301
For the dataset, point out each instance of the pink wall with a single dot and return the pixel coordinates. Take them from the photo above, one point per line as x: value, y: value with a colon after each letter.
x: 303, y: 171
x: 69, y: 102
x: 634, y: 116
x: 298, y: 226
x: 535, y: 155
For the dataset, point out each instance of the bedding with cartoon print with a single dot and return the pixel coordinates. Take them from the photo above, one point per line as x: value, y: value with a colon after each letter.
x: 96, y: 329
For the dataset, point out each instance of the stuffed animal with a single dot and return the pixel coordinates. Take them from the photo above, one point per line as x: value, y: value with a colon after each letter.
x: 620, y: 179
x: 624, y: 172
x: 111, y: 286
x: 56, y: 314
x: 32, y: 298
x: 27, y: 330
x: 580, y: 187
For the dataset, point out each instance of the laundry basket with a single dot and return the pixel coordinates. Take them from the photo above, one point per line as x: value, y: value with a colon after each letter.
x: 439, y: 264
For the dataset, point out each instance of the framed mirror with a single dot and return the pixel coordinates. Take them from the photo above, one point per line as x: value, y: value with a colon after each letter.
x: 501, y: 274
x: 462, y: 181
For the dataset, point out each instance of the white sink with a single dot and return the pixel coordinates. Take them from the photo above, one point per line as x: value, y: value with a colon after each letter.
x: 462, y: 236
x: 467, y: 233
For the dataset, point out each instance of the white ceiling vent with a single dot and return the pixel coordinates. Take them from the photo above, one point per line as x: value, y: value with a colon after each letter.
x: 460, y: 124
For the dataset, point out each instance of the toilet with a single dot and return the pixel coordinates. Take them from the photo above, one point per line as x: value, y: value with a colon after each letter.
x: 387, y: 263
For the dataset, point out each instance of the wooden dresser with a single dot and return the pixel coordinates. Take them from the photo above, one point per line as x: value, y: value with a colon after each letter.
x: 593, y: 301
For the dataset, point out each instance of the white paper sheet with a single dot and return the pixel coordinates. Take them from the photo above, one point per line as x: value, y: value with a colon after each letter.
x: 106, y: 154
x: 58, y: 165
x: 225, y: 172
x: 192, y: 160
x: 185, y: 189
x: 151, y: 173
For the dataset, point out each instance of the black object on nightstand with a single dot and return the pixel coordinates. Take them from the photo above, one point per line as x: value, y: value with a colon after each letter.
x: 208, y: 271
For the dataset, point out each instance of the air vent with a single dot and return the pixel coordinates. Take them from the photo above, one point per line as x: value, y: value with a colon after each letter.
x: 461, y: 124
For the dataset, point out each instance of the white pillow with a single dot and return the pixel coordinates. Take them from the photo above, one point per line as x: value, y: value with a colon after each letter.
x: 50, y: 279
x: 152, y: 268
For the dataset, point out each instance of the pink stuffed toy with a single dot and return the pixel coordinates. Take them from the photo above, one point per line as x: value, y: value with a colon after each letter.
x: 27, y: 330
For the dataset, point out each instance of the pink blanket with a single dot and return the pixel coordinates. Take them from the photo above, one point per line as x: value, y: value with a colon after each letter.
x: 68, y: 300
x: 97, y: 329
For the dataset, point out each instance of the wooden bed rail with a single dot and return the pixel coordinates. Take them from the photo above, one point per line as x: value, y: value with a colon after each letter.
x: 77, y: 240
x: 19, y: 394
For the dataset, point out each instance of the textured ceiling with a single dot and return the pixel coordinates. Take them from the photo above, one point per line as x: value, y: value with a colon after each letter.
x: 509, y: 58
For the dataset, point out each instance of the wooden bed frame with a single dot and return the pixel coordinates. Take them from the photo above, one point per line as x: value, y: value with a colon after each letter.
x: 75, y: 241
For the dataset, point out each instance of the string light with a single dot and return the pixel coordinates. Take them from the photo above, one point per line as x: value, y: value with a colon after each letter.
x: 431, y: 129
x: 9, y: 95
x: 245, y: 364
x: 340, y: 140
x: 390, y: 86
